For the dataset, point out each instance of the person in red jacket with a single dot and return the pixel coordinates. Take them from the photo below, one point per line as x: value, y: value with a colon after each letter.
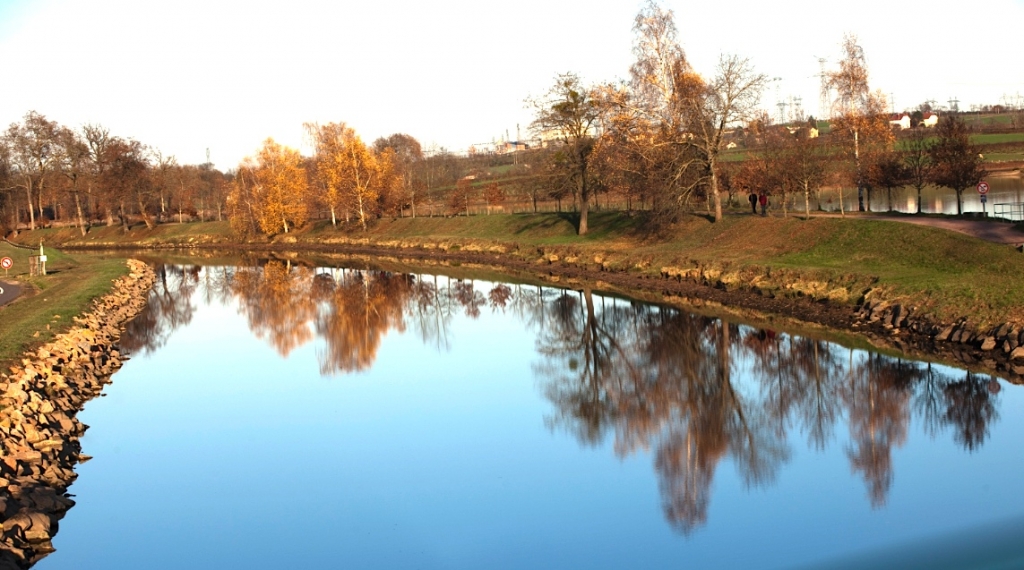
x: 763, y: 200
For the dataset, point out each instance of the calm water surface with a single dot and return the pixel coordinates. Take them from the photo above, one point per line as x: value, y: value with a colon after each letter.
x: 1006, y: 196
x: 279, y: 416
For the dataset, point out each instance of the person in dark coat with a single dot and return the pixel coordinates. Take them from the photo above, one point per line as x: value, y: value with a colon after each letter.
x: 753, y: 201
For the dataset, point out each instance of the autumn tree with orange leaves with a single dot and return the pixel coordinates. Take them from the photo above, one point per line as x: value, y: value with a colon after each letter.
x: 859, y: 122
x: 270, y: 193
x: 353, y: 177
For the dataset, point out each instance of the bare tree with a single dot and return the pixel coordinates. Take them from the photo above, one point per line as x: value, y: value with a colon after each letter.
x: 569, y: 111
x: 857, y: 113
x: 917, y: 157
x: 74, y: 164
x: 728, y: 99
x: 34, y: 156
x: 958, y: 163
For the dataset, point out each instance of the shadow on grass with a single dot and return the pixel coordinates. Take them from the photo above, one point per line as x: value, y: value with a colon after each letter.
x: 549, y: 222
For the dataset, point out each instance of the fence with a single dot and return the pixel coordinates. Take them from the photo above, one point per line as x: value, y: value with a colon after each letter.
x: 1011, y: 211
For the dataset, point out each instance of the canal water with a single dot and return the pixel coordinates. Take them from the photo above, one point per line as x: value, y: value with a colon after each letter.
x: 287, y: 416
x: 1005, y: 199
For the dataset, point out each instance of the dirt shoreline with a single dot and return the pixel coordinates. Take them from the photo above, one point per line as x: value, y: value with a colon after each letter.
x: 885, y: 325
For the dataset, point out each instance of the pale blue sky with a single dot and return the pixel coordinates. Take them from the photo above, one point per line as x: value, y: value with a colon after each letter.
x: 191, y: 75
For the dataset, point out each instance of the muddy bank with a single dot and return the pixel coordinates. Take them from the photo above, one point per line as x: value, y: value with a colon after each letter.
x: 39, y: 431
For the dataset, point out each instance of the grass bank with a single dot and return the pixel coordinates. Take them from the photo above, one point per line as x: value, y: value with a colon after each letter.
x: 943, y: 274
x: 48, y: 303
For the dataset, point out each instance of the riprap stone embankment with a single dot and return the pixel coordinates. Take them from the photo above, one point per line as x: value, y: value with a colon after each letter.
x: 39, y: 431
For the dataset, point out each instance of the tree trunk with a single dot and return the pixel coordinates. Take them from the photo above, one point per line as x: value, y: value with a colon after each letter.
x: 31, y: 211
x: 334, y: 219
x: 584, y: 198
x: 807, y: 201
x: 714, y: 190
x: 856, y: 158
x: 81, y: 218
x: 362, y: 213
x: 145, y: 216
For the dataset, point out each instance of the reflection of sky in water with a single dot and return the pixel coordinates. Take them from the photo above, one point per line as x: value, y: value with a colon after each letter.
x: 1005, y: 190
x: 215, y: 452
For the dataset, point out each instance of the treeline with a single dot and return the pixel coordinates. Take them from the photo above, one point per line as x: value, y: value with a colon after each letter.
x: 666, y: 140
x: 665, y: 136
x: 51, y: 174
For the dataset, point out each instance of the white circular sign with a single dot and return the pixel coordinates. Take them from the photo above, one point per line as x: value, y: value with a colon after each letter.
x: 983, y: 187
x: 6, y: 263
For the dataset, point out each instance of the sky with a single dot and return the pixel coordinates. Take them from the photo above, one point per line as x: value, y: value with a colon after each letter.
x: 192, y: 75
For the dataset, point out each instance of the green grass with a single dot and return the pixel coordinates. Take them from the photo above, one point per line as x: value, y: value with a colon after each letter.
x: 48, y: 302
x: 945, y: 273
x: 1004, y: 156
x: 997, y: 138
x: 999, y: 120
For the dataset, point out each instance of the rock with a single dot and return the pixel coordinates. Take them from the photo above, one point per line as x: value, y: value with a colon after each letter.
x: 1017, y: 354
x: 38, y: 431
x: 989, y: 343
x: 944, y: 334
x: 39, y: 528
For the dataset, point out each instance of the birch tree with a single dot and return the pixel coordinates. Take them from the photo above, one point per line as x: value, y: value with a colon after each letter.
x: 270, y: 191
x: 353, y: 177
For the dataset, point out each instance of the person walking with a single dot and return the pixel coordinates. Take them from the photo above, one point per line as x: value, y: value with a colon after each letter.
x: 763, y: 200
x: 753, y: 201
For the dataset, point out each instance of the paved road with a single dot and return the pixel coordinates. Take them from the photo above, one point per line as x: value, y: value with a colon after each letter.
x: 994, y: 231
x: 998, y: 232
x: 8, y: 292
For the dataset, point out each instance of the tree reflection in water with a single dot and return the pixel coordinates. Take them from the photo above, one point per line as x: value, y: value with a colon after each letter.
x: 693, y: 389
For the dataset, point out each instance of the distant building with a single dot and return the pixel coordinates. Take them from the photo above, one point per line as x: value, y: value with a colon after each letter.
x: 930, y: 119
x: 731, y: 145
x: 901, y: 120
x: 506, y: 147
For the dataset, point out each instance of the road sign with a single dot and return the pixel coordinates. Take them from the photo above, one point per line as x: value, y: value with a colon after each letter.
x: 6, y: 263
x: 983, y: 188
x: 984, y: 198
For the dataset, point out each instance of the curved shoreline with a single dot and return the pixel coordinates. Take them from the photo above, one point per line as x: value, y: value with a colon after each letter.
x: 766, y: 296
x: 39, y: 430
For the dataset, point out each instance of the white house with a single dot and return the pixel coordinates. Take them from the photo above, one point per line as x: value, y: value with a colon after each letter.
x: 930, y: 120
x: 900, y: 120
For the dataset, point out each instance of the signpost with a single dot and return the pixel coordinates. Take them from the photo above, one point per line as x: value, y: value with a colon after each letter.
x: 983, y: 192
x: 6, y: 263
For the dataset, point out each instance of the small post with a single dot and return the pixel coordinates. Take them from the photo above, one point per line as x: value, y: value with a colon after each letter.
x: 42, y: 259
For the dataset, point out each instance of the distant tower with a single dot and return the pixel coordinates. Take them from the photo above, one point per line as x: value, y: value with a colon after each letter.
x: 208, y: 155
x: 954, y: 104
x: 797, y: 108
x: 778, y: 99
x: 824, y: 102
